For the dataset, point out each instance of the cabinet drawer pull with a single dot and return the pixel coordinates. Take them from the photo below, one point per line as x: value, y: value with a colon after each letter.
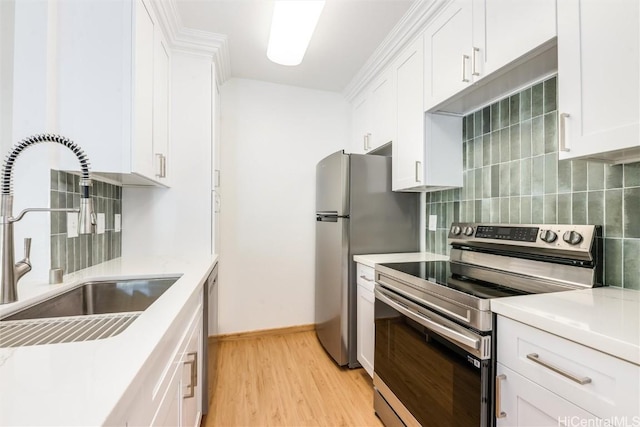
x: 366, y: 278
x: 535, y: 358
x: 563, y: 131
x: 193, y: 367
x: 474, y: 59
x: 499, y: 412
x: 464, y: 68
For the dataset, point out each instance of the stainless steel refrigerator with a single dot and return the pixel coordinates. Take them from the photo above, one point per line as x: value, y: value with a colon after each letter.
x: 356, y: 213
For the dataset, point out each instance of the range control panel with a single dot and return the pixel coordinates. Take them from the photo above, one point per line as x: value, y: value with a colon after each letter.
x: 520, y: 234
x: 578, y: 237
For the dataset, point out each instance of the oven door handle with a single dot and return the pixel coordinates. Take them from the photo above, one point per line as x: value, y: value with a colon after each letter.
x: 396, y: 303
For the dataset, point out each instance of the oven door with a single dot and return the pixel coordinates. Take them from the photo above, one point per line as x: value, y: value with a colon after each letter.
x: 428, y: 369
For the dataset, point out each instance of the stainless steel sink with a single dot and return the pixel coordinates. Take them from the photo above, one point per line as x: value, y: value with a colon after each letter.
x: 88, y: 312
x: 99, y: 298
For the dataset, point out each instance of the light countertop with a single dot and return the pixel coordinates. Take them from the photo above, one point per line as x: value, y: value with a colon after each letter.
x: 81, y: 383
x: 373, y: 259
x: 606, y: 319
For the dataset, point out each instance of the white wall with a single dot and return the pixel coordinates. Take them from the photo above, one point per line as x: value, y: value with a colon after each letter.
x: 177, y: 220
x: 272, y: 138
x: 33, y: 108
x: 6, y: 72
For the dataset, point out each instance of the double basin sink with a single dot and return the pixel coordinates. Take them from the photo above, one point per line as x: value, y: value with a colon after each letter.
x: 90, y: 305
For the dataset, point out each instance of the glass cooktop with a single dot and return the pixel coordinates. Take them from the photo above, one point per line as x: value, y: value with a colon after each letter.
x: 439, y: 272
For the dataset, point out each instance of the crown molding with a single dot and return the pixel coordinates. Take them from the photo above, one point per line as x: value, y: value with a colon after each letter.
x: 412, y: 24
x: 193, y: 41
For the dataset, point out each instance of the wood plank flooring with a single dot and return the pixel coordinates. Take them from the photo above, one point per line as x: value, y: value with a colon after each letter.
x: 287, y: 380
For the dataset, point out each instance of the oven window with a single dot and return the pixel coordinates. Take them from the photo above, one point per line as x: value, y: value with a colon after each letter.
x: 434, y: 379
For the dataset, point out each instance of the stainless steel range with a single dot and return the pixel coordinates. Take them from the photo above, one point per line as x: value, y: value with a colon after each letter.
x: 434, y: 326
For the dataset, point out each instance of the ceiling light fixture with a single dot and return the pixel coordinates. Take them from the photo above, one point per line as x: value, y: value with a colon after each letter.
x: 292, y: 26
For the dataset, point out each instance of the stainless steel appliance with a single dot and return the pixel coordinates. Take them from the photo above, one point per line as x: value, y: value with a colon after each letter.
x: 434, y: 327
x: 209, y: 337
x: 356, y: 213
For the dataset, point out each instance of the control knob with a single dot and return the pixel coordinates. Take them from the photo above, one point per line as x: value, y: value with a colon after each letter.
x: 548, y: 236
x: 456, y: 230
x: 572, y: 237
x: 468, y: 231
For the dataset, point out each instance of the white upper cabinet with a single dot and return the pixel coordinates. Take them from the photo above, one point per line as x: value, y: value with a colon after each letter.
x: 383, y: 111
x: 113, y: 93
x: 427, y: 153
x: 373, y: 115
x: 161, y: 91
x: 471, y: 39
x: 408, y: 150
x: 360, y: 124
x: 506, y: 30
x: 599, y: 80
x: 449, y: 51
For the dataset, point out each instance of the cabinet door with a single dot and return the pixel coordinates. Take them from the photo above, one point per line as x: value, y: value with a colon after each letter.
x: 361, y: 134
x: 168, y: 414
x: 366, y: 328
x: 408, y: 150
x: 509, y: 29
x: 383, y: 110
x: 521, y: 402
x: 192, y: 379
x: 599, y: 79
x: 448, y: 53
x: 142, y: 150
x: 161, y: 92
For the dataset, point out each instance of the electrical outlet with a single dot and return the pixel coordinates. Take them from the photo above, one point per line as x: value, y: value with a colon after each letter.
x: 117, y: 223
x: 72, y: 224
x: 101, y: 223
x: 433, y: 222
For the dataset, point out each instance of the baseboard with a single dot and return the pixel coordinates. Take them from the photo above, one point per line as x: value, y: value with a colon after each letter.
x: 263, y: 332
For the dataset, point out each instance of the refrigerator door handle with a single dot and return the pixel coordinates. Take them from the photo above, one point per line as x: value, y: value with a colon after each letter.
x: 330, y: 218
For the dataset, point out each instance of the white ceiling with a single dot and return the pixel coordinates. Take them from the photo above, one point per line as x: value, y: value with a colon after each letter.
x: 348, y: 32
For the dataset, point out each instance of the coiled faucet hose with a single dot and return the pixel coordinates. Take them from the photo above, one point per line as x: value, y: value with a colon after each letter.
x: 7, y: 168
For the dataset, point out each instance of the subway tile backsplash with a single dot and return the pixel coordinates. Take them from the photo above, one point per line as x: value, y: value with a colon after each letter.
x: 512, y: 175
x: 76, y: 253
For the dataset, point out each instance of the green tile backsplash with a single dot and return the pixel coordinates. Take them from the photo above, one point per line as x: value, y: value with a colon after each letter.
x: 76, y: 253
x: 512, y: 175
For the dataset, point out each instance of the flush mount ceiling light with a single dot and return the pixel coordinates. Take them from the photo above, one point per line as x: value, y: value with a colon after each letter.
x: 292, y: 26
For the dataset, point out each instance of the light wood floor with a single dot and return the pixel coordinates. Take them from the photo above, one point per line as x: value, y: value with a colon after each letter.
x: 288, y: 380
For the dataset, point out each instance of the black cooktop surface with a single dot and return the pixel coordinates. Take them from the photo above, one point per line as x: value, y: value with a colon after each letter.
x: 439, y: 272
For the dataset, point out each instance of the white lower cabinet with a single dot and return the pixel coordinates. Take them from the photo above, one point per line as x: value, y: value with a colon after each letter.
x: 366, y: 325
x: 522, y: 402
x: 168, y: 390
x: 545, y: 380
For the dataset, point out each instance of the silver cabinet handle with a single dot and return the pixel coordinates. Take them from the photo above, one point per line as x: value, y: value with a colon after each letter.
x: 162, y: 165
x: 535, y: 358
x: 499, y: 412
x: 363, y: 277
x: 474, y: 71
x: 464, y: 66
x: 563, y: 131
x: 193, y: 365
x: 418, y: 170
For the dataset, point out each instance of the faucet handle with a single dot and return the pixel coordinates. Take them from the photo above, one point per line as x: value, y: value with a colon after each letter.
x: 27, y: 248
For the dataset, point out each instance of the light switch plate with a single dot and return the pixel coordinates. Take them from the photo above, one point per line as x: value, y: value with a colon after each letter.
x: 101, y: 223
x: 117, y: 223
x: 433, y: 222
x: 72, y: 224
